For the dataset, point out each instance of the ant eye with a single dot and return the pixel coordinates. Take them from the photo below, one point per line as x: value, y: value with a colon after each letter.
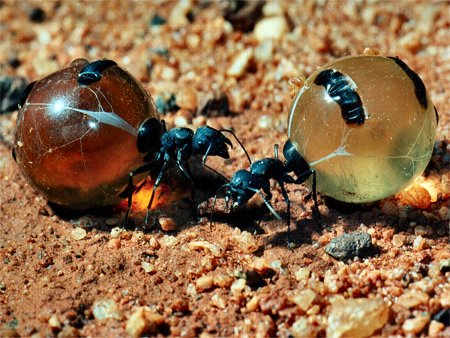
x: 84, y: 120
x: 366, y: 124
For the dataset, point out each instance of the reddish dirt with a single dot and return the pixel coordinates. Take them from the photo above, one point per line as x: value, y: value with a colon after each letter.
x: 219, y: 280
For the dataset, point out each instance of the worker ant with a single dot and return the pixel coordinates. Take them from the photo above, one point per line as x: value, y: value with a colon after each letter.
x: 166, y: 148
x: 246, y: 183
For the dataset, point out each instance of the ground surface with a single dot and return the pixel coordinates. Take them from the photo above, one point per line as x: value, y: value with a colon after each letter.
x: 72, y: 274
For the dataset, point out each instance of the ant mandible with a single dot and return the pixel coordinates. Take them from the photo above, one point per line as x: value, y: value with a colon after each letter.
x: 246, y: 183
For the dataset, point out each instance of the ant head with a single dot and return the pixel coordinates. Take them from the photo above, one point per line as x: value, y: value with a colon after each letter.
x: 294, y: 161
x: 149, y: 135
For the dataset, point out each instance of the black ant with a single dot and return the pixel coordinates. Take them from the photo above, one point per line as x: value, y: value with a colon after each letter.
x: 166, y: 148
x: 246, y: 183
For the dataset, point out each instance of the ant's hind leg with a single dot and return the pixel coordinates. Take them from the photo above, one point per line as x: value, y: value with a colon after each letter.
x: 316, y: 204
x: 187, y: 173
x: 288, y: 207
x: 130, y: 189
x: 155, y: 186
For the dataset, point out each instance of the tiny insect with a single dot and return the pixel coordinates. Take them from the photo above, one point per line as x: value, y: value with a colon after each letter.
x: 246, y: 183
x: 87, y: 135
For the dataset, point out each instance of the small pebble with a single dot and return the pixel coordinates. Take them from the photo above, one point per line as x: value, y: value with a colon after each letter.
x: 240, y: 63
x: 435, y: 328
x: 245, y: 241
x: 398, y: 240
x: 179, y: 14
x: 106, y: 308
x: 204, y: 283
x: 302, y: 274
x: 356, y: 317
x: 415, y: 325
x: 115, y: 232
x: 444, y: 299
x: 303, y: 298
x: 264, y: 51
x: 218, y: 301
x: 421, y: 230
x: 148, y: 267
x: 54, y: 322
x: 187, y: 98
x: 265, y: 122
x: 143, y: 321
x: 444, y: 213
x: 168, y: 241
x: 419, y: 243
x: 302, y: 328
x: 237, y: 287
x: 348, y: 246
x: 252, y: 304
x: 273, y: 9
x: 78, y: 233
x: 215, y: 249
x: 389, y: 208
x: 167, y: 224
x: 271, y: 28
x: 411, y: 299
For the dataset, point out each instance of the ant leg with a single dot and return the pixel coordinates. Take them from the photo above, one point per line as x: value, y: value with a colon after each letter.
x: 130, y: 189
x: 240, y: 143
x: 155, y: 186
x: 302, y: 178
x: 205, y: 157
x: 316, y: 205
x: 288, y: 205
x: 187, y: 173
x: 267, y: 203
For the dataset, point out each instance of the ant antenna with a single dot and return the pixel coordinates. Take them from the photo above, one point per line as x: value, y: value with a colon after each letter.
x: 240, y: 143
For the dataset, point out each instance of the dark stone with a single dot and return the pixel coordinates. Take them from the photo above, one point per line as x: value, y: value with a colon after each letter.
x: 37, y: 15
x: 348, y: 246
x: 157, y: 20
x: 215, y: 105
x: 14, y: 61
x: 443, y: 317
x: 11, y: 92
x: 242, y: 14
x: 166, y: 103
x: 254, y: 279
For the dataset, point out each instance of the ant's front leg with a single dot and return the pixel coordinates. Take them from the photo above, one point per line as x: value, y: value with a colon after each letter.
x: 288, y: 206
x: 187, y: 173
x: 155, y: 186
x: 302, y: 178
x: 130, y: 189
